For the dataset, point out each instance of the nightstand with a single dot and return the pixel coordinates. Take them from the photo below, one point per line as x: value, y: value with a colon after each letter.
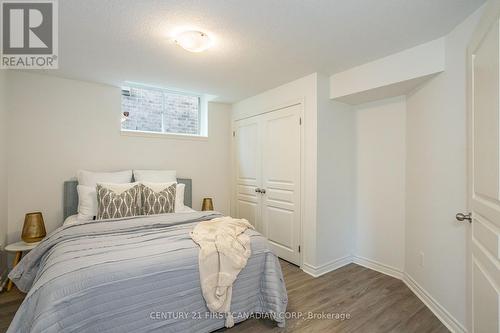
x: 18, y: 248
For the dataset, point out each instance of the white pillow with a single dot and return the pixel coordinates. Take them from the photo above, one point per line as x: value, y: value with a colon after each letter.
x: 87, y: 202
x: 179, y: 192
x: 155, y: 176
x: 73, y: 219
x: 179, y: 197
x: 89, y: 178
x: 117, y: 187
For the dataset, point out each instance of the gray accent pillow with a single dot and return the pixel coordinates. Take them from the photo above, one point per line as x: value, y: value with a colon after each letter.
x: 111, y: 205
x: 161, y: 202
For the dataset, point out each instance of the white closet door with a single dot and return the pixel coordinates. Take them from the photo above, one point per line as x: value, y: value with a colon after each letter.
x: 281, y: 181
x: 248, y: 170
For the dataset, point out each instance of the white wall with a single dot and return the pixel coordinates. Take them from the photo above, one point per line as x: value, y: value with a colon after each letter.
x: 436, y: 179
x: 3, y: 168
x: 305, y: 90
x: 328, y: 168
x: 57, y: 126
x: 410, y: 178
x: 336, y: 212
x: 380, y: 223
x: 419, y: 61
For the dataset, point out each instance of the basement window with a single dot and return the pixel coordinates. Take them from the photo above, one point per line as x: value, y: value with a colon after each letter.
x: 160, y: 111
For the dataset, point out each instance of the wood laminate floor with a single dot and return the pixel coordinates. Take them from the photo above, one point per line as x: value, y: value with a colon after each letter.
x: 374, y: 302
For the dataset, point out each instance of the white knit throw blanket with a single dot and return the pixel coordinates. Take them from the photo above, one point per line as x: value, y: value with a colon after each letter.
x: 224, y: 251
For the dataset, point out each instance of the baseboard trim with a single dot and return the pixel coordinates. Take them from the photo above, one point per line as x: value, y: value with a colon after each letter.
x: 439, y: 311
x: 379, y: 267
x: 317, y: 271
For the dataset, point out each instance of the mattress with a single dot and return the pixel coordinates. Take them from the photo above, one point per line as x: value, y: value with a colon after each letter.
x: 136, y: 275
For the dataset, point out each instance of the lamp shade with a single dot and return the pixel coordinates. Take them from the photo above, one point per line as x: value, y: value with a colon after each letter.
x: 207, y: 204
x: 33, y: 228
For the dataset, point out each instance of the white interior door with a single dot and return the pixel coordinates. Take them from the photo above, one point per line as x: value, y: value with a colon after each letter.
x: 484, y: 173
x: 248, y: 170
x: 281, y: 181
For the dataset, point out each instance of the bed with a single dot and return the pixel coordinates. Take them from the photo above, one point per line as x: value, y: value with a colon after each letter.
x: 136, y: 274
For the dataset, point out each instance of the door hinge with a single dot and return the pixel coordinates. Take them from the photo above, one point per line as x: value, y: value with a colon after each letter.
x: 300, y: 120
x: 234, y: 133
x: 299, y: 248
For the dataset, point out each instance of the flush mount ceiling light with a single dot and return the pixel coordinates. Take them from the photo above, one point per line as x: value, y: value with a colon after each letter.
x: 193, y: 40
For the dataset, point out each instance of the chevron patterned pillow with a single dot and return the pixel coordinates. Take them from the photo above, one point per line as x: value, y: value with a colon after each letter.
x: 117, y: 200
x: 158, y: 202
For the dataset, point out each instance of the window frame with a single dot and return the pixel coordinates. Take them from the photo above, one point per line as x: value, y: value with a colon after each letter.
x: 202, y: 116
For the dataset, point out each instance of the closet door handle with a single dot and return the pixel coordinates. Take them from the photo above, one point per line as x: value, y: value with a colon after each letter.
x: 258, y: 190
x: 263, y: 191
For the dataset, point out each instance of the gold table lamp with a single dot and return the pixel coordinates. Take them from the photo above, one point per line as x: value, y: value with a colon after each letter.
x: 33, y: 228
x: 208, y: 204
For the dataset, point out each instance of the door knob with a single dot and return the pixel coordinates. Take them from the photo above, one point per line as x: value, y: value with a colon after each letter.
x: 263, y: 191
x: 258, y: 190
x: 462, y: 217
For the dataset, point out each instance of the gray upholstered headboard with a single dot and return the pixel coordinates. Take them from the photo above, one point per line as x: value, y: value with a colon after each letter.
x: 71, y: 196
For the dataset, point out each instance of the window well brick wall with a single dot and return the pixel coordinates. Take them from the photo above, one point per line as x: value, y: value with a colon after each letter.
x: 147, y: 107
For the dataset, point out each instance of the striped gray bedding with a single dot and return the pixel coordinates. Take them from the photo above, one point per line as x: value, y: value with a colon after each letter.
x: 136, y: 275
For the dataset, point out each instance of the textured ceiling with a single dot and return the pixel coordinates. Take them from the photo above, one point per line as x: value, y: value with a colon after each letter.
x: 259, y: 43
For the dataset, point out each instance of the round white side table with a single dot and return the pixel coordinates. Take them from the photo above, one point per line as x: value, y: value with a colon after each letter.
x: 18, y: 248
